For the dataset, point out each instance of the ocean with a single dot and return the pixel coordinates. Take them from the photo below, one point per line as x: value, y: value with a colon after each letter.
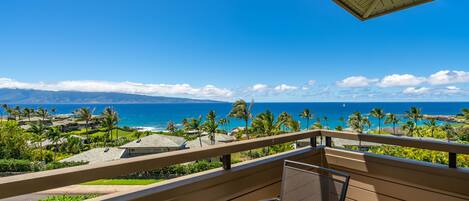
x: 155, y: 116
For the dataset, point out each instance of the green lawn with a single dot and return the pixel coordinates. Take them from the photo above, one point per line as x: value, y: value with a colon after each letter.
x: 68, y: 197
x: 122, y: 182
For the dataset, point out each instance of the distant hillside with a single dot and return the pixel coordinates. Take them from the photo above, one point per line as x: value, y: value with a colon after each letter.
x: 24, y: 96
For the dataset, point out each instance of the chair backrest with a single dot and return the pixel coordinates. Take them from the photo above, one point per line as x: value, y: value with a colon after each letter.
x: 305, y: 182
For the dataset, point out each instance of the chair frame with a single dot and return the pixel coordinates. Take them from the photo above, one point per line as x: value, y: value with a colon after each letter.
x: 343, y: 174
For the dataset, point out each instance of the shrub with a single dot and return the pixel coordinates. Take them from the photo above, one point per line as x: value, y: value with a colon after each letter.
x: 57, y: 165
x: 175, y: 170
x: 14, y: 165
x: 68, y: 197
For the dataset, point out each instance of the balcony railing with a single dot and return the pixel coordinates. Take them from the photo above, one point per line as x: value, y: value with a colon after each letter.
x: 262, y: 174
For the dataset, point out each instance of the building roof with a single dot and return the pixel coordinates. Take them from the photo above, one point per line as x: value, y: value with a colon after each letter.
x: 156, y: 140
x: 97, y: 155
x: 366, y: 9
x: 219, y: 138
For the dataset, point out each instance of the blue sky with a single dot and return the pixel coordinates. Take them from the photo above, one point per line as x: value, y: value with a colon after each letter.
x: 301, y: 50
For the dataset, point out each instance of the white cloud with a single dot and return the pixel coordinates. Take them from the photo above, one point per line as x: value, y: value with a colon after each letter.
x: 284, y: 88
x: 208, y: 91
x: 400, y: 80
x: 417, y: 91
x: 452, y: 89
x: 448, y: 77
x: 356, y: 81
x: 259, y: 88
x: 311, y: 82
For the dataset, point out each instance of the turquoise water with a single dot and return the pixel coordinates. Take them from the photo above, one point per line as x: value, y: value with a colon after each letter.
x: 156, y: 116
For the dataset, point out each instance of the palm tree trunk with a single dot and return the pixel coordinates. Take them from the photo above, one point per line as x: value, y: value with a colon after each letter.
x: 200, y: 139
x: 379, y: 126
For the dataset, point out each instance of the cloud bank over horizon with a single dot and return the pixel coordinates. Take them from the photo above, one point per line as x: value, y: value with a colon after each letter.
x: 443, y: 85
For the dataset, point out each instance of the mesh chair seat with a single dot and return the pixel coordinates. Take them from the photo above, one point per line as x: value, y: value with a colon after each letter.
x: 305, y: 182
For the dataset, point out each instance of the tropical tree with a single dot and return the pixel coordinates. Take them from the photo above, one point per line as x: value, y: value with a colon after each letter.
x: 392, y: 119
x: 284, y: 119
x: 17, y: 112
x: 294, y: 125
x: 109, y: 120
x: 432, y: 125
x: 358, y: 122
x: 223, y: 122
x: 40, y: 133
x: 171, y: 127
x: 409, y: 126
x: 241, y: 110
x: 211, y: 125
x: 414, y: 114
x: 43, y: 113
x: 318, y: 124
x: 306, y: 114
x: 54, y: 135
x: 194, y: 124
x: 379, y: 114
x: 450, y: 131
x: 326, y: 121
x: 85, y: 114
x: 265, y: 124
x: 28, y: 112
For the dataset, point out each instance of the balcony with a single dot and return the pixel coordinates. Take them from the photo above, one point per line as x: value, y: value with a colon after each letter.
x: 373, y: 176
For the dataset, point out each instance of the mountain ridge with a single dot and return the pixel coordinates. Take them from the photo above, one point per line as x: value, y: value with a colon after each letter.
x: 31, y: 96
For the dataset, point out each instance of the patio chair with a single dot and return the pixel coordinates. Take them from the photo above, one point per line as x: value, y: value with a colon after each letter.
x: 305, y: 182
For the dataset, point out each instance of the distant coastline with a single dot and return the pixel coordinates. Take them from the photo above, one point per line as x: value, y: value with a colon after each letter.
x: 28, y: 96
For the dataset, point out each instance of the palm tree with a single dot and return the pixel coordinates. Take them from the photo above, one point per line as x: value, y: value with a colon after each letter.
x: 392, y: 119
x: 39, y: 130
x: 17, y: 112
x: 449, y: 129
x: 211, y: 125
x: 414, y: 114
x: 241, y: 110
x: 171, y: 127
x: 265, y: 124
x: 85, y: 114
x: 379, y: 114
x: 223, y: 122
x: 54, y: 136
x: 306, y: 114
x: 357, y: 122
x: 28, y: 112
x: 195, y: 125
x: 294, y: 125
x: 109, y: 121
x: 326, y: 121
x: 43, y: 113
x: 432, y: 125
x: 409, y: 126
x: 284, y: 119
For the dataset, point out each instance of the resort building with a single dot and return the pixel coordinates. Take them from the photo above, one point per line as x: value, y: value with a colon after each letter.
x: 98, y: 155
x: 205, y: 140
x: 154, y: 144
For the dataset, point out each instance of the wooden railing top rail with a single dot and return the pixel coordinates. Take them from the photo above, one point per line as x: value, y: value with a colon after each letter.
x: 401, y: 141
x: 38, y: 181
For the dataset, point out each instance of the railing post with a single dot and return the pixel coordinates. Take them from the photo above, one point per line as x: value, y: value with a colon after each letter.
x: 451, y: 160
x: 328, y: 141
x: 313, y: 141
x: 226, y: 160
